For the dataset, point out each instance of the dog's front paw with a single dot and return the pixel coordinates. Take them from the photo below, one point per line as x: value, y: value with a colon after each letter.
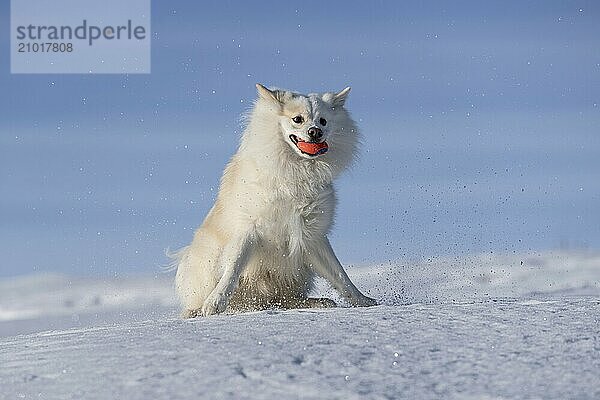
x: 214, y: 304
x: 364, y: 301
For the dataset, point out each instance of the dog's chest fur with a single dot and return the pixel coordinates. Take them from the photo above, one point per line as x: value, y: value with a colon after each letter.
x: 295, y: 215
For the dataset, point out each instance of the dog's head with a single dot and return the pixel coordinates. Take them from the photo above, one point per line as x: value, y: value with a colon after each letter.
x: 313, y: 125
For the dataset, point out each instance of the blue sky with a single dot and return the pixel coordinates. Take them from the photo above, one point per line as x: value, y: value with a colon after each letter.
x: 480, y: 126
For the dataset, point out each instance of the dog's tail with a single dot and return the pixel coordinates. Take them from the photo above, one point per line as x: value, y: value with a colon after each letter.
x: 176, y: 258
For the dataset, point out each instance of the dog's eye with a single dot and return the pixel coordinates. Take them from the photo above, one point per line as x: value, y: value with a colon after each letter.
x: 323, y: 121
x: 298, y: 119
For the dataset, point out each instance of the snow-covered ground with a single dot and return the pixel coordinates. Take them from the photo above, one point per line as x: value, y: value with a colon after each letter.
x: 481, y: 327
x: 50, y: 301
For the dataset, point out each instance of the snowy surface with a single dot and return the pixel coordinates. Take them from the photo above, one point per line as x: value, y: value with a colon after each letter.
x: 51, y: 301
x: 486, y: 350
x: 484, y: 327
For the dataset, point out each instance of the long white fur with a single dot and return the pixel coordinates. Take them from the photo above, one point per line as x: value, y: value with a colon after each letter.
x: 265, y: 239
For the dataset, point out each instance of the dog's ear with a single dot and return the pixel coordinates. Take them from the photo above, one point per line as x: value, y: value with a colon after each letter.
x: 270, y: 95
x: 340, y: 98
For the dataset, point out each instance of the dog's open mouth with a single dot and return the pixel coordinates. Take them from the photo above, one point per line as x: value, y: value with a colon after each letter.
x: 310, y: 148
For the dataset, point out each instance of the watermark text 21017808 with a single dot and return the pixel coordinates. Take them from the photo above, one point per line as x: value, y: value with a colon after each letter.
x: 56, y: 47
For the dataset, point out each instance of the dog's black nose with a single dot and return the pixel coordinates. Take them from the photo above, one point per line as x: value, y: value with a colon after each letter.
x: 315, y: 133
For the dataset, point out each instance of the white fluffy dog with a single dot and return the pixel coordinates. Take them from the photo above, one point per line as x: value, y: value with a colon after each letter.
x: 265, y: 239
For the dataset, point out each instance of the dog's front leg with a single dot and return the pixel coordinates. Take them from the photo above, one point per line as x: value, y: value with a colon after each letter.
x: 233, y: 260
x: 326, y: 264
